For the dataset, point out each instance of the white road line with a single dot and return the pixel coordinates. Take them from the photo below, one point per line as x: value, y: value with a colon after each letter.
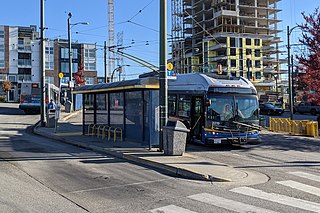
x: 228, y: 204
x: 277, y: 198
x: 306, y: 175
x: 171, y: 209
x: 300, y: 186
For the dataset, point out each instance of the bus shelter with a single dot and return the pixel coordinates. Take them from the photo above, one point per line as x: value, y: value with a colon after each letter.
x: 130, y: 105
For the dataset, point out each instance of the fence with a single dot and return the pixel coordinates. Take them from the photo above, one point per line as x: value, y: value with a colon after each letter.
x: 295, y: 127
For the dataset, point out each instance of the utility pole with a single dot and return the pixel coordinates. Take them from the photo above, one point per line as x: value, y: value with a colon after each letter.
x: 289, y: 74
x: 42, y: 66
x: 163, y: 70
x: 105, y: 62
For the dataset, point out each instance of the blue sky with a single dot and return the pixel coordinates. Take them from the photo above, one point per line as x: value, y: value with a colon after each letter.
x: 141, y: 33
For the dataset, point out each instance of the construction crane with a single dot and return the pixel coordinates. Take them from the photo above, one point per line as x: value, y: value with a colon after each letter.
x: 110, y: 34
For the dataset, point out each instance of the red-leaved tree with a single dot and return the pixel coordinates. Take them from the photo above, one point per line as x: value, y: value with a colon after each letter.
x: 78, y: 76
x: 310, y: 81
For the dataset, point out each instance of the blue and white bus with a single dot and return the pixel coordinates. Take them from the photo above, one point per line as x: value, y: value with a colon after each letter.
x: 30, y: 97
x: 217, y: 109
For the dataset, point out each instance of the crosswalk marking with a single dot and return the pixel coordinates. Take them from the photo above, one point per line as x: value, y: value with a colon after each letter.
x: 306, y: 175
x: 228, y: 204
x: 277, y: 198
x: 171, y: 209
x: 300, y: 186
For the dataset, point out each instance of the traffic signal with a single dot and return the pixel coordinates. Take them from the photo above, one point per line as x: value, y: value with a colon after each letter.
x: 219, y: 69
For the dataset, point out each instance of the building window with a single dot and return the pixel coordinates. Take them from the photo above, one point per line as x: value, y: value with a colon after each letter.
x: 233, y: 63
x: 49, y: 79
x: 65, y: 67
x: 248, y: 41
x: 257, y: 53
x: 233, y: 51
x: 257, y: 42
x: 241, y: 73
x: 2, y: 55
x: 248, y: 51
x: 89, y: 80
x: 240, y: 64
x: 89, y: 57
x: 258, y: 75
x: 232, y: 42
x: 49, y: 56
x: 3, y: 77
x: 257, y: 64
x: 65, y: 53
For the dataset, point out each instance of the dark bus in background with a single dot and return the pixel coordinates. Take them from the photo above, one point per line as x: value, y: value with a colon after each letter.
x: 217, y: 109
x: 30, y: 98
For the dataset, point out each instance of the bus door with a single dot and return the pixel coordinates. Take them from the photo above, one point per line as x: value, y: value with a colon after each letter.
x: 196, y: 117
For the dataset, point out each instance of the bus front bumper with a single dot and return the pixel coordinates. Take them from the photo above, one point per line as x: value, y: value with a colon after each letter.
x: 227, y: 138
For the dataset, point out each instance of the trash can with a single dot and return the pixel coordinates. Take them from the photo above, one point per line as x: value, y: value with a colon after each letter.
x: 174, y: 138
x: 67, y: 106
x: 51, y: 116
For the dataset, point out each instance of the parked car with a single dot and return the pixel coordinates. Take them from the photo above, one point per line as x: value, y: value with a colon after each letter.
x: 270, y: 109
x: 306, y: 107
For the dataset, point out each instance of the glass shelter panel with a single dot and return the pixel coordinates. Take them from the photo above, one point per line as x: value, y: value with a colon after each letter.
x: 116, y: 110
x: 102, y: 108
x: 88, y: 109
x: 134, y: 115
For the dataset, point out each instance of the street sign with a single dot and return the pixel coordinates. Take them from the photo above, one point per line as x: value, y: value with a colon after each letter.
x: 60, y: 75
x: 171, y: 75
x: 170, y: 66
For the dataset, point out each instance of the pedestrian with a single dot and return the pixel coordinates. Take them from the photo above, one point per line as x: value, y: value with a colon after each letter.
x: 51, y: 104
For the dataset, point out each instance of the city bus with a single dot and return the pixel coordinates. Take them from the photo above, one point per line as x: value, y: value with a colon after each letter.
x: 217, y: 109
x: 30, y: 97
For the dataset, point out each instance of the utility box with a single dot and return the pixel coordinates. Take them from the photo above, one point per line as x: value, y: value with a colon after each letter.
x: 67, y: 106
x: 51, y: 116
x: 174, y: 138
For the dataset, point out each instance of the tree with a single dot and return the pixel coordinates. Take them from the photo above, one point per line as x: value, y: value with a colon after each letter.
x: 78, y: 76
x: 6, y: 86
x: 310, y: 81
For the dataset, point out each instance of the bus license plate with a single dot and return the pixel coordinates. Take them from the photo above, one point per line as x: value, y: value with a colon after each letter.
x: 217, y: 141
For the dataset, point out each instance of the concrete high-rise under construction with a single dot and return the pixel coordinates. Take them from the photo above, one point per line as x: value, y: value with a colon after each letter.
x: 234, y: 37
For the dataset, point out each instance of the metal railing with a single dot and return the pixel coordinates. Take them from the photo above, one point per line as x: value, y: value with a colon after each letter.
x: 24, y: 62
x: 105, y: 131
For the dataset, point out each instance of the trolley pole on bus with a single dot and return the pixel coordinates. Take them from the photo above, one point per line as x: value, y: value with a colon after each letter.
x: 163, y: 71
x: 42, y: 66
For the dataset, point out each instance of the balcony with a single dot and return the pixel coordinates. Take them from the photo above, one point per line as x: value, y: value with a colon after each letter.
x: 24, y: 63
x: 24, y: 48
x: 24, y: 77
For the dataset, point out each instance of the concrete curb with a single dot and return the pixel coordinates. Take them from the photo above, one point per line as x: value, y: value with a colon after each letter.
x: 171, y: 170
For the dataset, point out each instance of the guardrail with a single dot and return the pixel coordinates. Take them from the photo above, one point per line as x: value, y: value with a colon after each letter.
x: 100, y: 130
x: 295, y: 127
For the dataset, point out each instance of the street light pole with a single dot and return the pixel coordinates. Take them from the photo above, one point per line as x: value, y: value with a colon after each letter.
x: 163, y: 71
x: 70, y: 61
x: 42, y: 67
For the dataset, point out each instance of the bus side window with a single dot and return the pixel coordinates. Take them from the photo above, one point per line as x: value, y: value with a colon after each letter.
x: 172, y: 103
x: 184, y: 106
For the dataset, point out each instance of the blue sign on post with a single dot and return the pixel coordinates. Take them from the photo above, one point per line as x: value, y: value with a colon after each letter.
x: 171, y: 75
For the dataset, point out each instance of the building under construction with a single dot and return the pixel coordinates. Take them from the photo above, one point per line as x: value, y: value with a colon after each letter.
x: 234, y: 37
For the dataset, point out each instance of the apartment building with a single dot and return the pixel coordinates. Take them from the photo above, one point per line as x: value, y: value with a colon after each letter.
x: 20, y: 59
x: 235, y: 37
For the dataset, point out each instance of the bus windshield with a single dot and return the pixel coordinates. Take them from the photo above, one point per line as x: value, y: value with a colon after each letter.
x: 233, y: 108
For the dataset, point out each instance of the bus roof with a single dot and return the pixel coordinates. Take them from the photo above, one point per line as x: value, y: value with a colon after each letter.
x: 202, y: 82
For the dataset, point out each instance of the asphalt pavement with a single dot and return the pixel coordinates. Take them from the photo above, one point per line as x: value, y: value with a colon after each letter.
x: 189, y: 166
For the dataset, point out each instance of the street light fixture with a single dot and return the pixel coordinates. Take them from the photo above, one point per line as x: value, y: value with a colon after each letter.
x: 119, y: 69
x: 289, y: 31
x: 70, y: 55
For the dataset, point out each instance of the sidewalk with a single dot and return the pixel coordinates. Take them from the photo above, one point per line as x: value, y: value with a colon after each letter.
x: 186, y: 166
